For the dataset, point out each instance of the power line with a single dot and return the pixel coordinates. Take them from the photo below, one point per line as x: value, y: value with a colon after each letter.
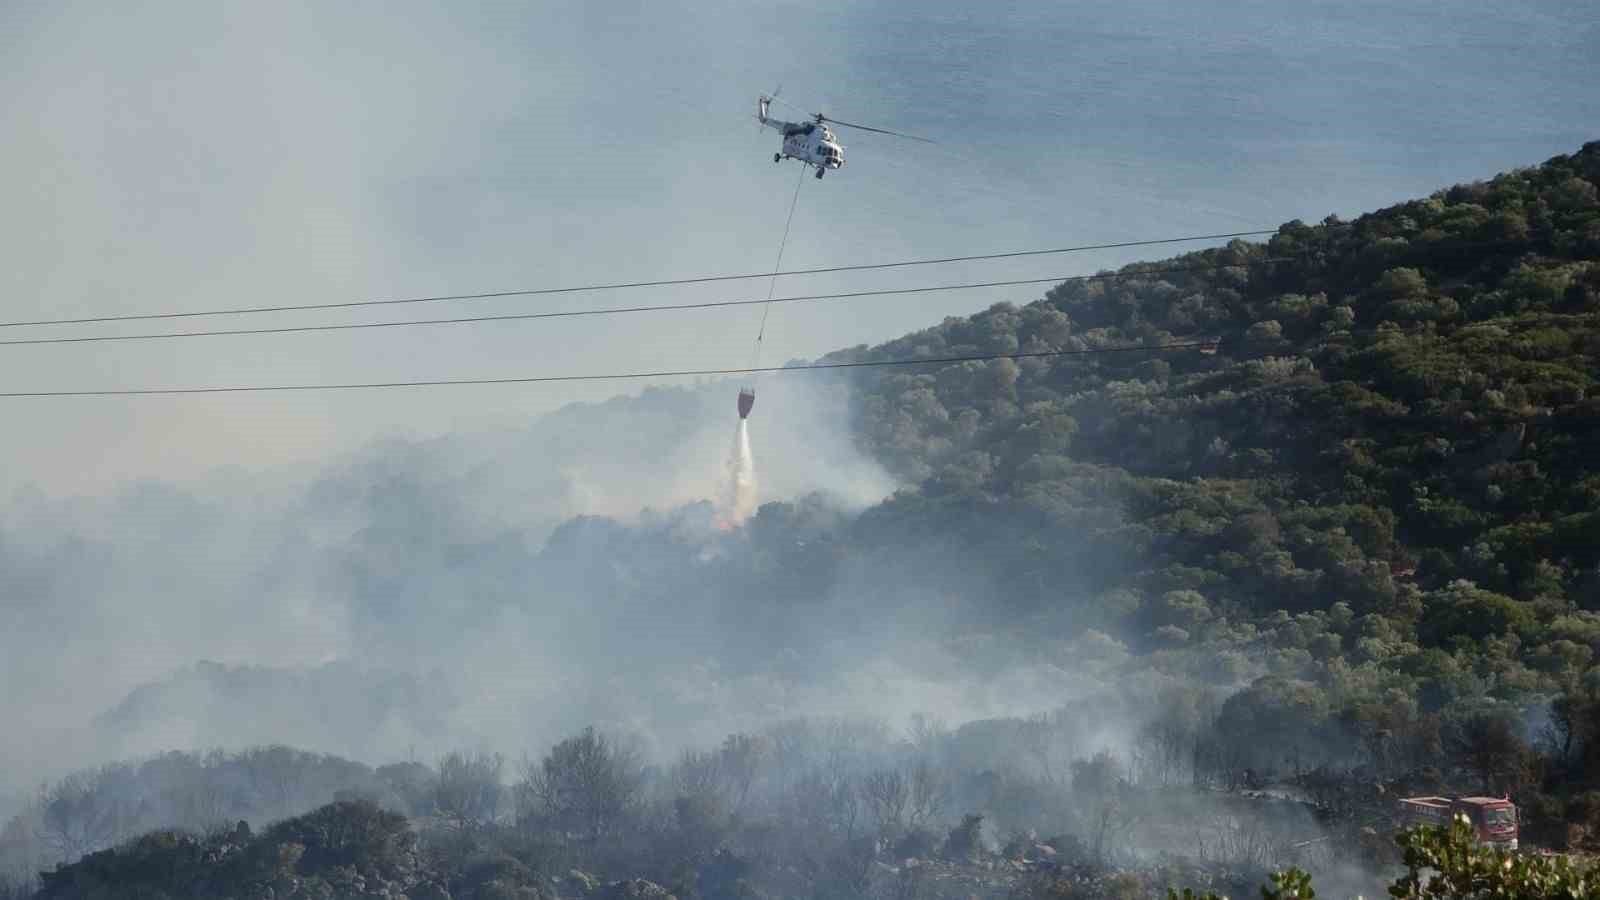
x: 1206, y: 344
x: 665, y: 307
x: 704, y: 279
x: 619, y: 376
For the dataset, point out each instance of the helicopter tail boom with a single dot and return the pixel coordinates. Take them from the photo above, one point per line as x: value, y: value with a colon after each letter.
x: 764, y: 116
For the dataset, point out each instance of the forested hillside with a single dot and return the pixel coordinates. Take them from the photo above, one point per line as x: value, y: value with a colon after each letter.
x: 1411, y: 388
x: 1365, y: 512
x: 1381, y: 485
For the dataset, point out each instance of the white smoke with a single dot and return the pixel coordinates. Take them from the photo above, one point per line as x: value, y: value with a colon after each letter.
x: 739, y: 498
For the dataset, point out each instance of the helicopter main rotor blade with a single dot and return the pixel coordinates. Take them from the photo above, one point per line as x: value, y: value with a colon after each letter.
x: 878, y: 130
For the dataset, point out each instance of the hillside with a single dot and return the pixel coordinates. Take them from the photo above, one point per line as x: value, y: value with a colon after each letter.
x: 1376, y: 502
x: 1374, y: 506
x: 1411, y: 388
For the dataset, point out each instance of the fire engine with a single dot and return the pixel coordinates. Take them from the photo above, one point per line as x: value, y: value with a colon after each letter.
x: 1494, y: 819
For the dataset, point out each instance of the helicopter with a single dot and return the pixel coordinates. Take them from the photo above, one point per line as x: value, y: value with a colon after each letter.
x: 814, y: 143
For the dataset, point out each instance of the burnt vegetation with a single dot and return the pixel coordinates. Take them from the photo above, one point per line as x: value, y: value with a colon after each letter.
x: 807, y: 807
x: 1349, y: 552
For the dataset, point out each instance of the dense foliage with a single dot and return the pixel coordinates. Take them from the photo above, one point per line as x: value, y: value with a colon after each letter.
x: 1377, y: 497
x: 1396, y: 405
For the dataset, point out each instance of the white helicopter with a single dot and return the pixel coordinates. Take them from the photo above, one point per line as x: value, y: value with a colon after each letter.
x: 814, y: 143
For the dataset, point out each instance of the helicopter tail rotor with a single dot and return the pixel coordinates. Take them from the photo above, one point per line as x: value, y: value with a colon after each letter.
x: 765, y: 104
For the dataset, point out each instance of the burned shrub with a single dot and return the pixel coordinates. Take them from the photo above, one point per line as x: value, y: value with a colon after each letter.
x: 965, y: 841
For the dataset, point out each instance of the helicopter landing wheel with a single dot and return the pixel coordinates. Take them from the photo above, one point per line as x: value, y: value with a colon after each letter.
x: 820, y: 173
x: 777, y: 157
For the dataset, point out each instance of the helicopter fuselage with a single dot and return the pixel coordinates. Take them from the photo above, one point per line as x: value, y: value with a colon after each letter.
x: 813, y: 143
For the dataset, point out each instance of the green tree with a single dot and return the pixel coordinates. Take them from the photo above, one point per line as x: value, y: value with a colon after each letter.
x: 1490, y: 747
x: 1449, y: 863
x: 1462, y: 609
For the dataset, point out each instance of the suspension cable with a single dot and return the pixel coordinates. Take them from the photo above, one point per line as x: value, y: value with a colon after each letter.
x: 766, y: 309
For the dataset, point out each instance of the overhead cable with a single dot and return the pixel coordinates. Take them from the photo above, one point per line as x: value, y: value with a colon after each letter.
x: 703, y: 279
x: 665, y: 307
x: 618, y: 376
x: 1208, y: 344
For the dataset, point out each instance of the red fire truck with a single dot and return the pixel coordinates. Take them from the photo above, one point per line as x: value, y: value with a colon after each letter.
x: 1494, y: 819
